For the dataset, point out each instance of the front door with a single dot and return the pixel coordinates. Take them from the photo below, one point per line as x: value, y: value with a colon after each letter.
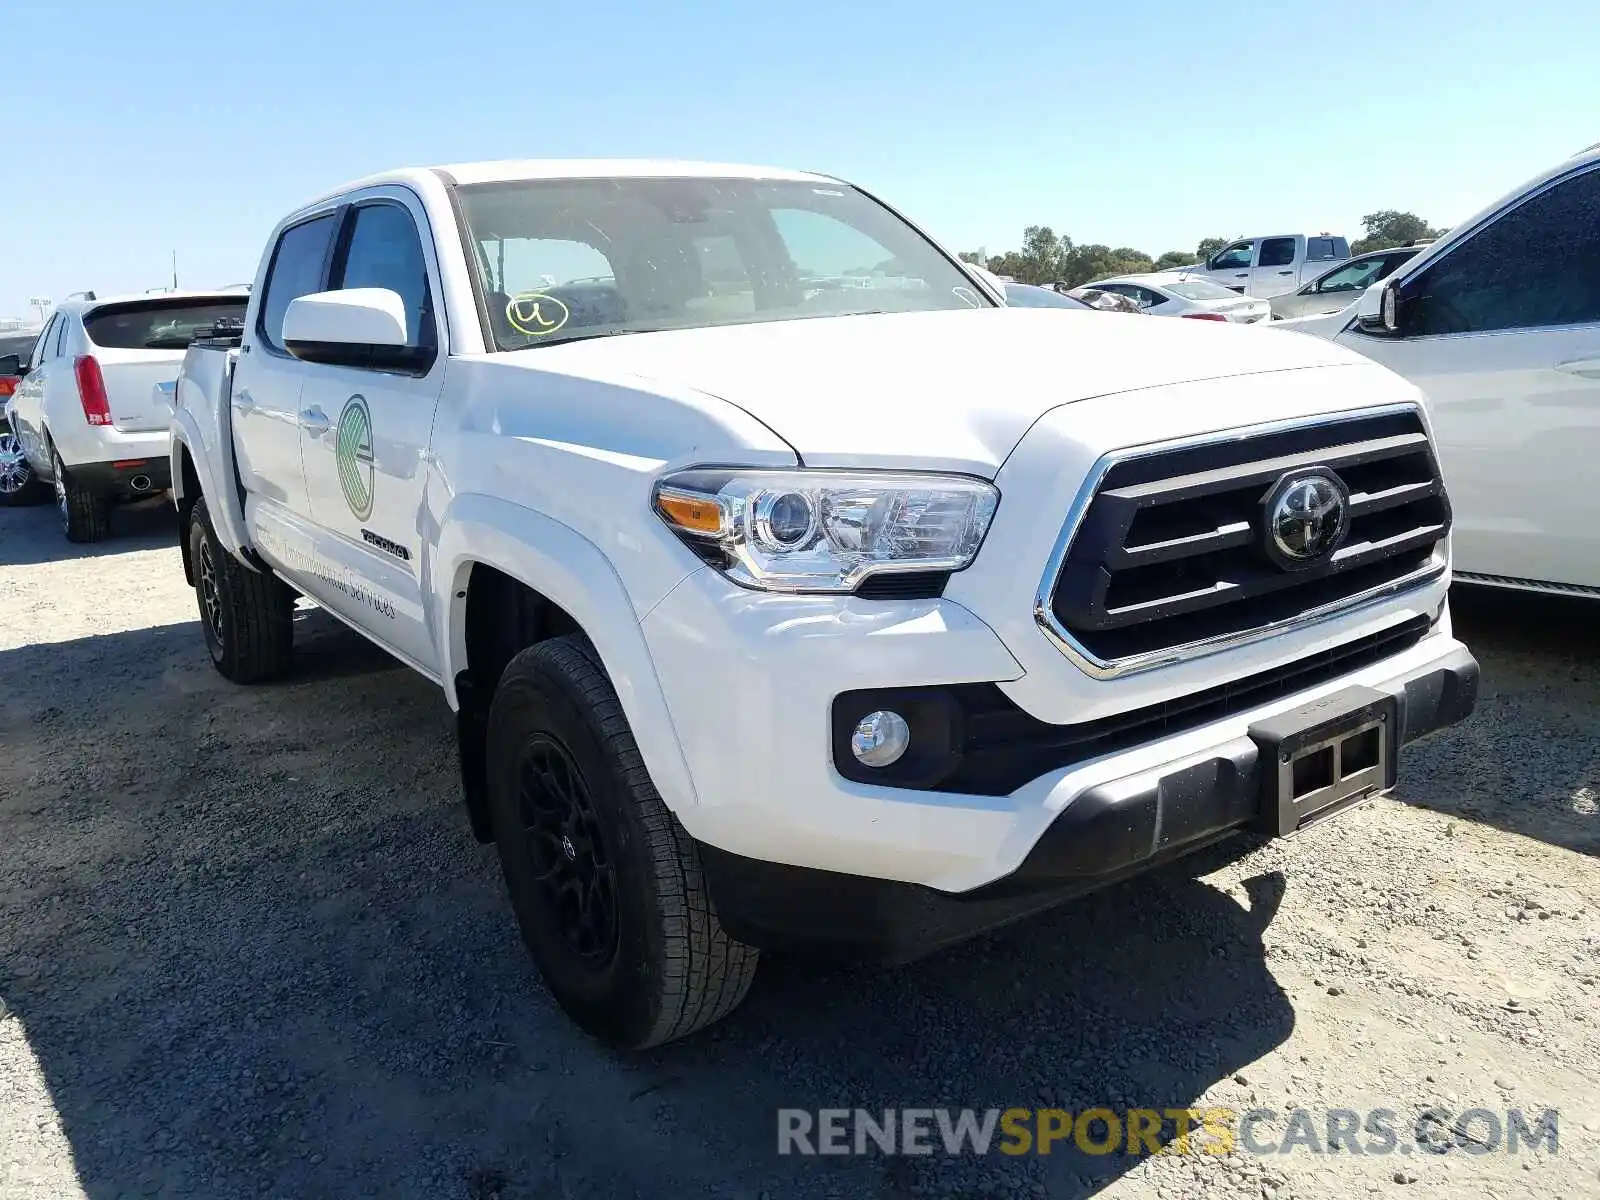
x: 1231, y: 266
x: 365, y: 436
x: 1503, y: 334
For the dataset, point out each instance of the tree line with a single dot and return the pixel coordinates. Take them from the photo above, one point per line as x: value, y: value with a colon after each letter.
x: 1048, y: 257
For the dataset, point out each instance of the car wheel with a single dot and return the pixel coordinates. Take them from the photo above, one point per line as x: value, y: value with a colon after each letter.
x: 85, y: 517
x: 607, y: 887
x: 18, y: 483
x: 247, y: 616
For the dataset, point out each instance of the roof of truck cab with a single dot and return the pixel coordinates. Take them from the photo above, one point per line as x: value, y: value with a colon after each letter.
x: 518, y: 169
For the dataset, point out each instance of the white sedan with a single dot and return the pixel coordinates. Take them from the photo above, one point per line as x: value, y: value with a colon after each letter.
x: 1200, y: 299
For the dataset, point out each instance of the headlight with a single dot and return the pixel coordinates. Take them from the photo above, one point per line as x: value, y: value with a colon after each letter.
x: 826, y: 531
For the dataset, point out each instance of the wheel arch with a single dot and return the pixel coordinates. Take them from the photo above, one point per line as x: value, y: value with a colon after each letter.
x: 186, y: 492
x: 507, y: 577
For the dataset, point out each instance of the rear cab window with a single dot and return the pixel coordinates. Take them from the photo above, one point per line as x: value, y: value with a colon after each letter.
x: 158, y: 324
x: 1326, y: 249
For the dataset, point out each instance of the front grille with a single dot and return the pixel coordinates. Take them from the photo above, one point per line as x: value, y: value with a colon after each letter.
x: 1172, y: 549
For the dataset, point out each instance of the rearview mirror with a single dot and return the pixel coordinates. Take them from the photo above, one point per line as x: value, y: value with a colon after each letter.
x: 11, y: 364
x: 356, y: 327
x: 1377, y: 310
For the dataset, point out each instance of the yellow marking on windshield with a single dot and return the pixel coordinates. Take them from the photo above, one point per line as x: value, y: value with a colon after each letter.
x: 536, y: 314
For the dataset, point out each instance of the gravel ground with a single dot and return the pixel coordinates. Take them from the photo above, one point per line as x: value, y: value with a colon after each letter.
x: 248, y: 947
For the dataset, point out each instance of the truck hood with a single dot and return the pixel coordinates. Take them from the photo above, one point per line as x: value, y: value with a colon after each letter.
x: 936, y: 390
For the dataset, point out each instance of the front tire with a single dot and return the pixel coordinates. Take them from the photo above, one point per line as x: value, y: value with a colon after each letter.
x: 85, y: 517
x: 247, y: 616
x: 606, y: 885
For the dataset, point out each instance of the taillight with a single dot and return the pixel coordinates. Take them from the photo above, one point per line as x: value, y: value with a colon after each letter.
x: 8, y: 385
x: 1204, y: 316
x: 92, y: 390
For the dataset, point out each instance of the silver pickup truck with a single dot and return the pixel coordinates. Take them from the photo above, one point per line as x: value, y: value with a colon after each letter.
x: 1265, y: 267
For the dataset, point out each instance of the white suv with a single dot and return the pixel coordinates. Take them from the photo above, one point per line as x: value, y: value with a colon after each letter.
x: 92, y: 409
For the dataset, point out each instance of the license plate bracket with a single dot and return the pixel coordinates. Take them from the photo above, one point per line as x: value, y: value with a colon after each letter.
x: 1324, y: 757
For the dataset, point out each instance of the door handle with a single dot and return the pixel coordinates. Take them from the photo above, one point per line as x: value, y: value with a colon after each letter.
x: 1242, y: 275
x: 1587, y: 368
x: 1285, y: 272
x: 314, y: 421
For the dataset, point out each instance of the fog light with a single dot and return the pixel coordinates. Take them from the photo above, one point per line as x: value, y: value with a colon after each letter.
x: 880, y: 738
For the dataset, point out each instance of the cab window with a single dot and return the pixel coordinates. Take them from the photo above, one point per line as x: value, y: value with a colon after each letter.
x: 1235, y: 257
x: 384, y: 250
x: 296, y: 270
x: 1277, y: 252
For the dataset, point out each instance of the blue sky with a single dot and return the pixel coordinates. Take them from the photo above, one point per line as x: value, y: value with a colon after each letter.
x: 138, y: 129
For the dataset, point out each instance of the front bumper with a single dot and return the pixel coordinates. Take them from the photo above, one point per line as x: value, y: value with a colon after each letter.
x: 750, y: 681
x: 1112, y: 831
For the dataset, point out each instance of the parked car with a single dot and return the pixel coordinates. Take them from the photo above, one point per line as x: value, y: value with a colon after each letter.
x: 1265, y: 267
x: 91, y: 412
x: 18, y: 484
x: 1499, y: 323
x: 1163, y: 296
x: 838, y: 634
x: 1342, y: 286
x: 1027, y: 295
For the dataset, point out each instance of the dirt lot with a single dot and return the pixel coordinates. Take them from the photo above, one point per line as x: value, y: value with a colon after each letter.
x: 248, y: 947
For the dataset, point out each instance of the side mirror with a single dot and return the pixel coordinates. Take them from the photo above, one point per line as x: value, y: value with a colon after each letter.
x: 1377, y: 312
x: 356, y: 327
x: 11, y: 364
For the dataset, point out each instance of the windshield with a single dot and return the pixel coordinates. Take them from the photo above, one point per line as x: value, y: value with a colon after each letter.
x: 158, y: 324
x: 565, y: 259
x: 1199, y: 289
x: 1022, y: 295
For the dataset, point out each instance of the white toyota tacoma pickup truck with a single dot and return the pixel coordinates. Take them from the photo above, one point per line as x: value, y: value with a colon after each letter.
x: 780, y: 612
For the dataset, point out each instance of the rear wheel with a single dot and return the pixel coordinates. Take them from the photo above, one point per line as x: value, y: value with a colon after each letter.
x: 85, y: 517
x: 18, y: 483
x: 247, y: 616
x: 606, y: 885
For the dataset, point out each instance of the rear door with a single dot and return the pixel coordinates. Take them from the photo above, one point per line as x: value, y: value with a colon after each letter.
x: 139, y: 345
x: 1277, y: 269
x: 366, y: 433
x: 265, y: 399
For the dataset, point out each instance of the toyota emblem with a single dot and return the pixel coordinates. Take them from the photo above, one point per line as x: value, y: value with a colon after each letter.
x: 1307, y: 517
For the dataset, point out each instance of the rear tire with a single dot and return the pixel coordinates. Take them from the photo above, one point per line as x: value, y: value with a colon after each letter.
x: 85, y: 517
x: 606, y: 885
x: 18, y: 484
x: 247, y: 616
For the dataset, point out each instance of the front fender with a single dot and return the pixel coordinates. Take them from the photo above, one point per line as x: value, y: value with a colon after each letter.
x: 569, y: 570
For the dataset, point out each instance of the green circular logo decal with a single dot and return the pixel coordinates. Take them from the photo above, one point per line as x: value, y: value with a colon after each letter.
x: 352, y: 450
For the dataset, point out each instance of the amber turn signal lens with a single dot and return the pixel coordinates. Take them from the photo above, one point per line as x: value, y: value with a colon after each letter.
x: 692, y: 514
